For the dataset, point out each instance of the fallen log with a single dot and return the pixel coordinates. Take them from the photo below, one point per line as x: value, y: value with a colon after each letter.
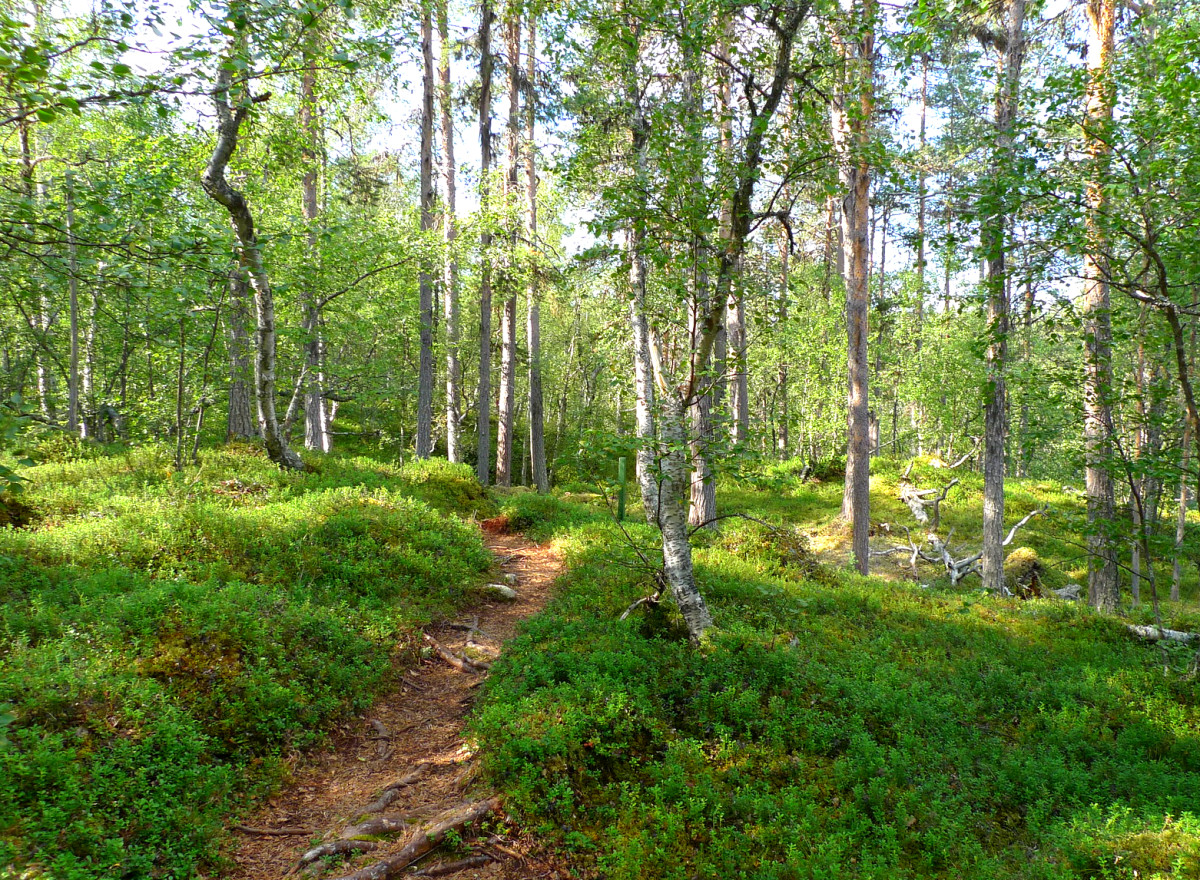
x: 1154, y: 633
x: 424, y: 841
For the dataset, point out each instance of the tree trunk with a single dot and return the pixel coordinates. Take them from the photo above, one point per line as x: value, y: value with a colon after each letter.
x: 783, y: 445
x: 424, y: 444
x: 250, y: 256
x: 240, y: 422
x: 1181, y: 516
x: 316, y: 431
x: 484, y: 400
x: 450, y: 233
x: 851, y: 134
x: 1103, y: 586
x: 533, y: 329
x: 508, y: 317
x: 994, y: 246
x: 89, y: 427
x: 677, y: 549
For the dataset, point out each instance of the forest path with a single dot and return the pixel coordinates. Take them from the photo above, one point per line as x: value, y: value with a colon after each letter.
x: 419, y: 722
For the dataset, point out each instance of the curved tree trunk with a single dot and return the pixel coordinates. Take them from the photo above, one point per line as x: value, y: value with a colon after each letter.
x: 250, y: 256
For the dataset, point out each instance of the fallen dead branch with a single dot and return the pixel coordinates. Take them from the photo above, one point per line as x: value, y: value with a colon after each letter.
x: 917, y: 500
x: 424, y: 841
x: 645, y: 600
x: 275, y: 832
x: 460, y: 662
x: 1154, y: 633
x: 392, y: 792
x: 337, y: 847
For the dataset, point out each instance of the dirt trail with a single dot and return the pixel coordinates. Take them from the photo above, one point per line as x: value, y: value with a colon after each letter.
x: 420, y: 722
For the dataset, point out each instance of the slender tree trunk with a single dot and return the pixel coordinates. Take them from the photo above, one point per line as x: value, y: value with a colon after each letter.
x: 1181, y: 515
x: 73, y: 294
x: 1027, y: 449
x: 89, y: 426
x: 316, y: 431
x: 424, y: 444
x: 508, y: 318
x: 450, y: 233
x: 533, y: 329
x: 1103, y: 587
x: 851, y: 134
x: 250, y: 255
x: 179, y: 389
x: 484, y: 401
x: 995, y: 246
x: 643, y: 371
x: 672, y: 517
x: 783, y: 444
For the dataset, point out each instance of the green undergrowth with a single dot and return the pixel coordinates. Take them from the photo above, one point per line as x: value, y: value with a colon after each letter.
x: 167, y: 639
x: 837, y: 726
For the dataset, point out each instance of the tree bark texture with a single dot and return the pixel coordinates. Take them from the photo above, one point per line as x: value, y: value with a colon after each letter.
x: 851, y: 111
x: 1103, y: 587
x: 240, y: 421
x: 995, y: 246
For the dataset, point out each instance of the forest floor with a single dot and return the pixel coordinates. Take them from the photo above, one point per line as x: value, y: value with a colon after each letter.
x: 420, y: 722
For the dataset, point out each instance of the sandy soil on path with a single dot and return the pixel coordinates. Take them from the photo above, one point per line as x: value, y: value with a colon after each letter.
x: 419, y: 722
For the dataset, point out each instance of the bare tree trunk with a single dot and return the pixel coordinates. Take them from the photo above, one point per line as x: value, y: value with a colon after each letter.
x: 88, y: 425
x: 1181, y: 516
x: 424, y: 445
x: 483, y: 406
x: 73, y: 294
x: 316, y: 430
x: 508, y: 317
x: 783, y: 445
x: 851, y: 133
x: 533, y: 329
x: 1103, y: 586
x: 250, y: 255
x: 994, y: 246
x: 450, y: 234
x: 1027, y: 355
x: 240, y: 422
x: 643, y: 370
x: 672, y: 518
x: 44, y: 320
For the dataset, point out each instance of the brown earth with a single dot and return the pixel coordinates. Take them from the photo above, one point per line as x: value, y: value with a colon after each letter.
x: 421, y: 721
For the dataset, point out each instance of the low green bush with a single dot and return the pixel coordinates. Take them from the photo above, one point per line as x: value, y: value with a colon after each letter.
x: 165, y: 640
x: 844, y: 729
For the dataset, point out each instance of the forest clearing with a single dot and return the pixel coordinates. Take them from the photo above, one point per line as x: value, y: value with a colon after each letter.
x: 599, y: 440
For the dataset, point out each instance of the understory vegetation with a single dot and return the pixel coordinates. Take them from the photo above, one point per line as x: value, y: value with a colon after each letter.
x: 169, y: 639
x: 838, y: 726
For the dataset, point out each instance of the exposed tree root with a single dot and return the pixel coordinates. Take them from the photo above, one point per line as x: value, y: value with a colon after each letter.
x: 377, y: 826
x: 460, y: 662
x: 337, y: 847
x: 276, y: 832
x: 393, y: 791
x: 445, y: 868
x: 425, y: 840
